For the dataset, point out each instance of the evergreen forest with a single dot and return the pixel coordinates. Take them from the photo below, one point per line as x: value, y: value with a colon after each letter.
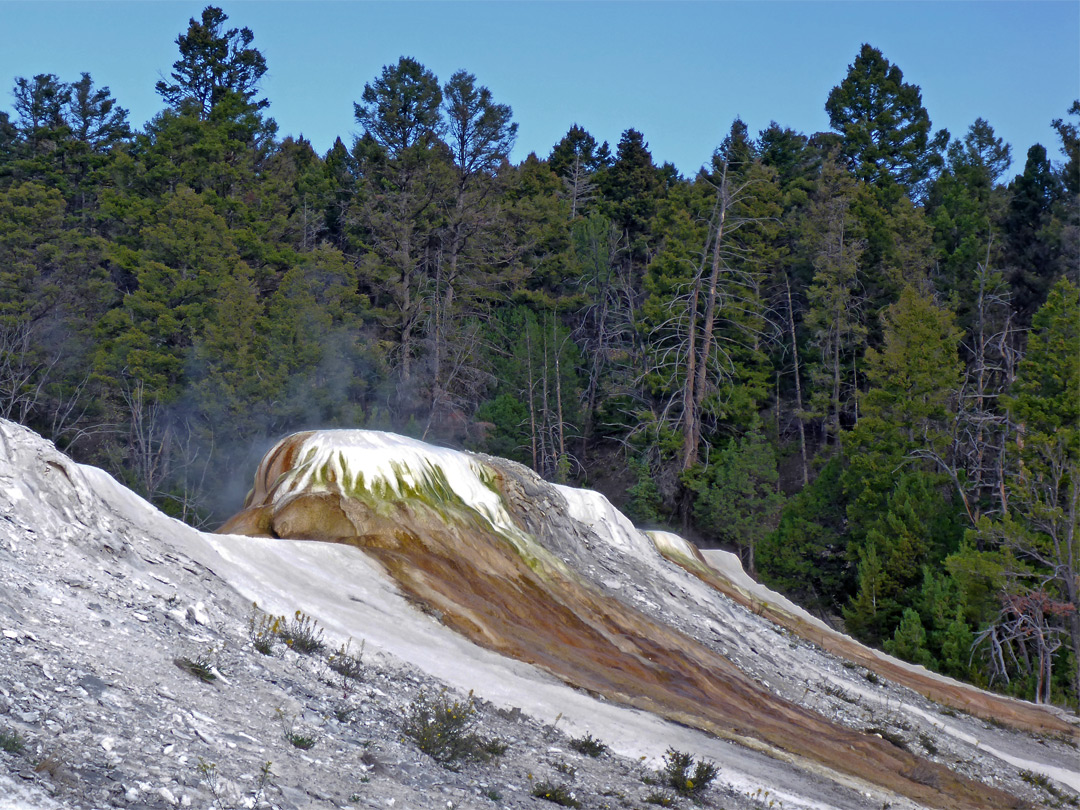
x: 852, y: 356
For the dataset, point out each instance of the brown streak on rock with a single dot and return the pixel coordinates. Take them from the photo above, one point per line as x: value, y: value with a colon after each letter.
x: 996, y: 708
x: 481, y: 587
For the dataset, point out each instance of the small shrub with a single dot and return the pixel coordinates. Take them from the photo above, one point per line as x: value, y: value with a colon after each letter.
x: 1042, y: 781
x: 11, y: 742
x: 872, y: 678
x: 288, y: 728
x: 202, y: 666
x: 494, y: 747
x: 350, y: 667
x: 565, y: 768
x: 678, y: 776
x: 265, y: 772
x: 588, y: 745
x: 559, y: 794
x: 208, y: 776
x: 928, y: 743
x: 444, y: 729
x: 222, y: 800
x: 660, y: 799
x: 838, y: 692
x: 494, y: 795
x: 263, y: 630
x: 302, y: 741
x: 1037, y: 779
x: 302, y: 633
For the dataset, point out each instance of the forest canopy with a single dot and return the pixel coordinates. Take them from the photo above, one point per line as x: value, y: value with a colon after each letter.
x: 853, y: 356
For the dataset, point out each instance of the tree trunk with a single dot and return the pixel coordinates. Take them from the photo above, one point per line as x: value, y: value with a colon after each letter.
x: 545, y: 455
x: 690, y: 428
x: 798, y: 384
x: 711, y: 307
x: 559, y: 428
x: 532, y: 404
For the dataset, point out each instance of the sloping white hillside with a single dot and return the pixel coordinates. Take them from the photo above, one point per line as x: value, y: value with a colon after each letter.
x: 71, y: 538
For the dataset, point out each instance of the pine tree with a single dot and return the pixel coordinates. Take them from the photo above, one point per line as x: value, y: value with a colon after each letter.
x: 895, y: 497
x: 885, y: 128
x: 98, y: 125
x: 737, y: 499
x: 480, y: 132
x: 480, y: 135
x: 908, y: 409
x: 631, y: 190
x: 791, y: 156
x: 297, y: 197
x: 577, y: 159
x: 9, y: 145
x: 400, y: 108
x: 807, y: 553
x: 214, y: 63
x: 537, y: 363
x: 965, y: 206
x: 868, y: 611
x: 322, y: 355
x: 1029, y: 252
x: 95, y: 118
x: 909, y: 640
x: 52, y: 289
x: 1070, y: 147
x: 40, y: 103
x: 43, y: 129
x: 956, y: 647
x: 1043, y: 526
x: 835, y: 319
x: 605, y: 330
x: 407, y: 178
x: 185, y: 253
x: 914, y: 529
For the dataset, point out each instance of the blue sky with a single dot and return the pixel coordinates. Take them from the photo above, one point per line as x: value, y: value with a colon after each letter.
x: 678, y: 72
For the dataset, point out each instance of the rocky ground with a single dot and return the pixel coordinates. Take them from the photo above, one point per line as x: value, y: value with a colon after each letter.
x: 102, y: 619
x: 98, y: 708
x: 94, y: 696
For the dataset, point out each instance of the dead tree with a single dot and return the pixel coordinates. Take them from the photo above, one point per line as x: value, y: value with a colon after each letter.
x: 1025, y: 638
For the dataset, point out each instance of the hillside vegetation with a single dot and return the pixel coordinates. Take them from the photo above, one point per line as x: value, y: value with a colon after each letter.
x: 853, y: 356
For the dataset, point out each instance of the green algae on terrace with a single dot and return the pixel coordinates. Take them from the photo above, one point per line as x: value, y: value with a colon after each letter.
x: 424, y: 487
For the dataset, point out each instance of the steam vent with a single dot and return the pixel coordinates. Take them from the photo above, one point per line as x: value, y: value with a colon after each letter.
x: 557, y: 578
